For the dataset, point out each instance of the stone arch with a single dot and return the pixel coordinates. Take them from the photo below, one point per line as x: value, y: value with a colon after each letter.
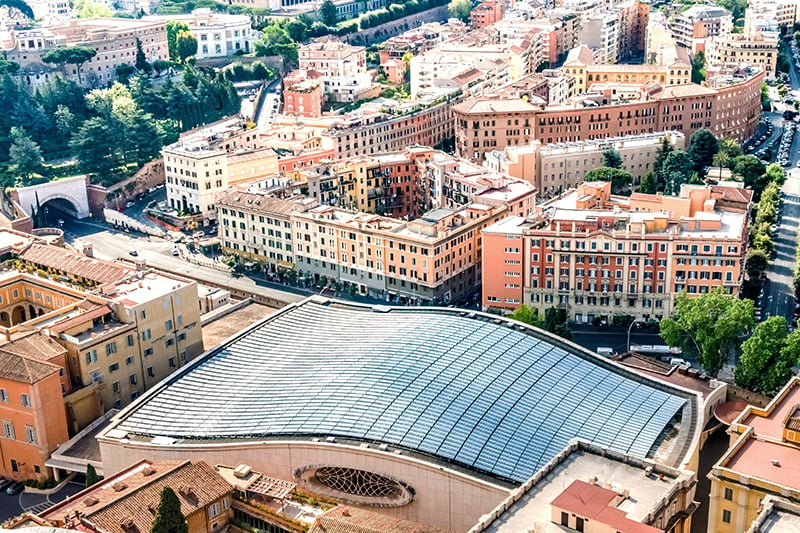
x: 69, y: 192
x: 31, y: 311
x: 18, y: 315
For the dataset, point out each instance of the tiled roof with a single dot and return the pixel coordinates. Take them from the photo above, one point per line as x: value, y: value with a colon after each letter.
x: 257, y: 201
x: 77, y: 264
x: 351, y: 520
x: 71, y: 322
x: 128, y: 496
x: 15, y: 367
x: 34, y: 346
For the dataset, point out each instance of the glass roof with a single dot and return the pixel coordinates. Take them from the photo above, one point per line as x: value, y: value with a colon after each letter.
x: 465, y: 389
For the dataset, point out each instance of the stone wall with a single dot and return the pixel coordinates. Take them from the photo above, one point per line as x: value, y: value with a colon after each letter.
x: 396, y: 27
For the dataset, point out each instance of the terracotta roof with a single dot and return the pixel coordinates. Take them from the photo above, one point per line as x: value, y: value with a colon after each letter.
x: 732, y: 194
x: 598, y: 504
x: 680, y: 91
x: 35, y: 346
x: 77, y: 264
x: 256, y: 201
x: 351, y: 520
x: 15, y: 367
x: 485, y: 104
x: 128, y: 496
x: 67, y: 323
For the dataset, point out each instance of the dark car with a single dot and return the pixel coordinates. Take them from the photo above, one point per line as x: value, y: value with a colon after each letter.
x: 15, y: 488
x: 4, y: 484
x: 134, y: 253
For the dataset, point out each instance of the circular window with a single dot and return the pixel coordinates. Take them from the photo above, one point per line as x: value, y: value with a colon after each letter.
x: 354, y: 486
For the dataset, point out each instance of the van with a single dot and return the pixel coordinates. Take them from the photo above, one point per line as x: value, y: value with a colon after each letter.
x: 605, y: 351
x: 677, y: 361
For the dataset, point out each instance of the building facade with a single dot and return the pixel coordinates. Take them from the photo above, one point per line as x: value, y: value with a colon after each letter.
x: 597, y: 256
x: 343, y: 68
x: 693, y: 27
x: 736, y: 48
x: 218, y: 34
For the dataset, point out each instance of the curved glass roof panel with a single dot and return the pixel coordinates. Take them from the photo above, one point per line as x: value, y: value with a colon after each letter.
x: 466, y: 389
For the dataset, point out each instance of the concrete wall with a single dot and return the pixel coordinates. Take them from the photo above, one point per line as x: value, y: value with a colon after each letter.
x: 396, y: 27
x: 443, y: 498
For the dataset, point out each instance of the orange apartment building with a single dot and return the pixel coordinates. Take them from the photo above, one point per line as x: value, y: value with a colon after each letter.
x: 432, y: 258
x: 486, y: 13
x: 597, y: 255
x: 486, y: 123
x: 32, y: 413
x: 303, y: 94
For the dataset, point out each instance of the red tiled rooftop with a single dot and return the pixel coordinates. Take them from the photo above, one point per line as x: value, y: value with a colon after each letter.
x: 597, y: 503
x: 97, y: 270
x: 729, y: 411
x: 351, y: 520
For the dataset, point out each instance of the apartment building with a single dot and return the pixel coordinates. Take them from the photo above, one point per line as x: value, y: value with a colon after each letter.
x: 558, y: 167
x: 693, y: 27
x: 114, y: 39
x: 303, y: 94
x: 431, y: 258
x: 730, y: 107
x: 671, y: 66
x: 596, y: 255
x: 207, y: 160
x: 343, y: 68
x: 757, y: 466
x: 218, y: 34
x: 486, y: 13
x: 31, y: 406
x: 757, y: 49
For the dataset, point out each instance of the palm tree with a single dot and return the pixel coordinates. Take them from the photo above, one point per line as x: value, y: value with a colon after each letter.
x: 730, y: 147
x: 721, y: 159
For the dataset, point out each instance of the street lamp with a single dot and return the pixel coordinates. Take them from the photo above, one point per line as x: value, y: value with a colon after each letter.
x: 636, y: 321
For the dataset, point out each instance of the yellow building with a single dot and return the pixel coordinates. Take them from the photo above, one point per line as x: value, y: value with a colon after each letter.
x: 737, y: 48
x: 762, y: 460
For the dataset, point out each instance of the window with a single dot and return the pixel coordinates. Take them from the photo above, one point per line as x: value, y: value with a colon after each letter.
x: 25, y: 400
x: 213, y: 510
x: 225, y: 503
x: 144, y: 314
x: 729, y: 494
x: 146, y: 334
x: 726, y: 516
x: 3, y: 395
x: 30, y: 435
x: 115, y: 386
x: 148, y: 352
x: 129, y: 360
x: 129, y: 340
x: 8, y: 429
x: 91, y: 357
x: 111, y: 348
x: 113, y: 368
x: 182, y: 337
x: 168, y: 325
x: 151, y: 373
x: 172, y: 362
x: 132, y: 379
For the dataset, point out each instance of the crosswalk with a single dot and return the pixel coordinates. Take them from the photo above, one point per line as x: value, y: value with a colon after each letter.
x: 36, y: 509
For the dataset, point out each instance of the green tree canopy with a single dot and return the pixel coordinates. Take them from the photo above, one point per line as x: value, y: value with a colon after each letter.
x: 676, y: 170
x: 25, y: 154
x: 648, y: 184
x: 756, y: 263
x: 327, y: 13
x: 296, y: 30
x: 699, y: 67
x: 702, y: 148
x: 173, y: 28
x: 186, y: 45
x: 750, y: 169
x: 86, y: 9
x: 460, y: 9
x: 141, y: 59
x: 611, y: 158
x: 276, y: 41
x: 527, y: 315
x: 69, y: 55
x: 619, y: 179
x: 91, y: 475
x: 708, y: 326
x: 8, y: 67
x: 169, y: 518
x: 18, y: 5
x: 730, y: 147
x: 768, y: 356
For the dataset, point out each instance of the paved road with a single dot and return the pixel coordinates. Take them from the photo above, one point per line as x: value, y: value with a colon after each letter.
x: 11, y: 506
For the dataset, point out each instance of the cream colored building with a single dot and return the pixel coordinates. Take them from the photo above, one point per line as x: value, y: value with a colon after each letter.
x: 218, y: 34
x: 758, y: 49
x: 343, y: 68
x: 208, y: 160
x: 554, y: 168
x: 114, y: 39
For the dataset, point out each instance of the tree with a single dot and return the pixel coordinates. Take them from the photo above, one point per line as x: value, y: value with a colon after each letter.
x: 555, y: 321
x: 699, y: 67
x: 721, y: 160
x: 25, y: 154
x: 676, y: 170
x: 173, y: 28
x: 18, y: 6
x: 662, y: 152
x: 460, y: 9
x: 86, y: 9
x: 702, y: 148
x: 730, y: 147
x: 169, y: 518
x: 69, y: 55
x: 296, y: 30
x: 708, y: 326
x: 750, y: 169
x: 8, y: 67
x: 159, y: 65
x: 124, y: 72
x: 527, y: 315
x: 611, y: 158
x: 186, y: 45
x: 91, y: 476
x: 276, y: 41
x: 648, y: 184
x: 767, y: 357
x: 756, y: 263
x: 619, y: 179
x: 327, y: 13
x: 141, y: 63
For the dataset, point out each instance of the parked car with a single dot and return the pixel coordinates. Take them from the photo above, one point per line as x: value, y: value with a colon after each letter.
x: 134, y: 253
x: 15, y: 488
x: 130, y: 203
